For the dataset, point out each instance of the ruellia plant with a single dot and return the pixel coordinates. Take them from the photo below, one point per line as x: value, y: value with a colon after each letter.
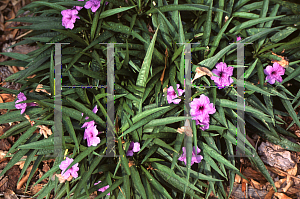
x: 151, y: 38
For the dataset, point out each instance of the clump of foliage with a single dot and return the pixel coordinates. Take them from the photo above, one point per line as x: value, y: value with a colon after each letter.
x: 149, y: 100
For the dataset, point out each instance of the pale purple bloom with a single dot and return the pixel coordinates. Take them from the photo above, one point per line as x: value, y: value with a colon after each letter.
x: 195, y: 157
x: 95, y: 110
x: 171, y: 94
x: 223, y: 75
x: 91, y: 123
x: 93, y: 4
x: 90, y: 134
x: 69, y: 18
x: 201, y: 107
x: 88, y: 124
x: 22, y: 97
x: 103, y: 188
x: 72, y: 171
x: 274, y: 73
x: 78, y: 7
x: 204, y: 123
x: 133, y: 147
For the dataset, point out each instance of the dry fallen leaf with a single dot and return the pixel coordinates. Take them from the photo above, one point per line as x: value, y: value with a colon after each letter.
x: 39, y: 88
x: 186, y: 129
x: 61, y: 178
x: 284, y: 63
x: 28, y: 118
x: 45, y: 131
x: 256, y: 184
x: 279, y: 183
x: 281, y: 196
x: 270, y: 194
x: 9, y: 194
x: 237, y: 178
x: 201, y: 71
x: 130, y: 163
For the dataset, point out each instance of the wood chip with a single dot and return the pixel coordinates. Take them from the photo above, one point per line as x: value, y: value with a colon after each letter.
x: 9, y: 194
x: 270, y: 194
x: 281, y: 196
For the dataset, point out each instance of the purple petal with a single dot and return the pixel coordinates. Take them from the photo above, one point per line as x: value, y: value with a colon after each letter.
x: 88, y: 4
x: 136, y: 147
x: 95, y: 110
x: 129, y: 153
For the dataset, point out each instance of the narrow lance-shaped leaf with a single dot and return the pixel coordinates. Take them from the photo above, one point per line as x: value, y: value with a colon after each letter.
x: 144, y: 72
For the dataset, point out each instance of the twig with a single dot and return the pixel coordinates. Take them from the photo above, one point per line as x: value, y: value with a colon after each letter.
x: 271, y: 168
x: 22, y: 35
x: 255, y: 189
x: 1, y: 194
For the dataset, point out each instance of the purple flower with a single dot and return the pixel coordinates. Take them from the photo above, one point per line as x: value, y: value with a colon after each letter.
x: 133, y: 147
x: 106, y: 2
x: 171, y: 94
x: 103, y: 188
x: 78, y: 7
x: 204, y: 123
x: 93, y: 4
x: 95, y: 110
x: 22, y: 97
x: 72, y: 171
x: 201, y: 107
x: 91, y: 123
x: 195, y: 157
x: 238, y: 39
x: 88, y: 124
x: 90, y: 134
x: 223, y: 75
x: 274, y: 73
x: 69, y: 18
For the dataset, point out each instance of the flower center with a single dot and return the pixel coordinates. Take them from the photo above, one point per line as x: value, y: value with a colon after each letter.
x: 273, y: 73
x: 201, y: 108
x: 221, y: 74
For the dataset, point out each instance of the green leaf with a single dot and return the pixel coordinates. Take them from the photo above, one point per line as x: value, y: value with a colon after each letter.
x: 137, y: 181
x: 85, y: 153
x: 143, y: 115
x: 87, y: 174
x: 18, y: 56
x: 118, y: 27
x: 114, y: 11
x: 211, y: 62
x: 180, y: 7
x: 50, y: 25
x: 293, y: 6
x: 164, y: 121
x: 33, y: 170
x: 294, y: 74
x: 22, y: 138
x: 14, y: 160
x: 69, y: 126
x: 16, y: 127
x: 73, y: 36
x: 156, y: 184
x: 288, y: 106
x: 163, y: 144
x: 91, y: 73
x: 253, y: 22
x: 144, y: 72
x: 124, y: 160
x: 86, y: 111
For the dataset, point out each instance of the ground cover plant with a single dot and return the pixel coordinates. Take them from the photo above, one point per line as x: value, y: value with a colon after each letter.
x: 149, y: 97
